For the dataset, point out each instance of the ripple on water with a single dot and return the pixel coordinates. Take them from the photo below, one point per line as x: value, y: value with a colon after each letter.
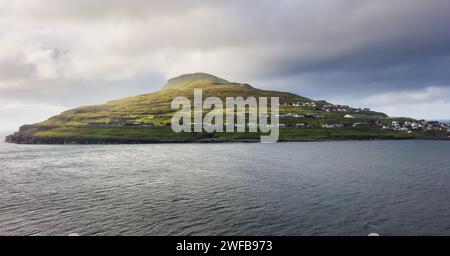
x: 333, y: 188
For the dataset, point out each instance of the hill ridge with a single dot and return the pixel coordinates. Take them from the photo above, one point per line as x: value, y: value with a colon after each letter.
x: 185, y: 80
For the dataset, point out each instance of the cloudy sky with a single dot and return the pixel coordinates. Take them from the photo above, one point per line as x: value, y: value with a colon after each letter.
x: 390, y: 55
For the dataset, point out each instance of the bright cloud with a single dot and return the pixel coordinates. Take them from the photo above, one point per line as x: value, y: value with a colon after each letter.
x: 411, y: 96
x: 14, y: 113
x: 429, y: 103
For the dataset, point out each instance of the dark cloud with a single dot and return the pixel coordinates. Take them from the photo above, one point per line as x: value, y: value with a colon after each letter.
x: 347, y: 50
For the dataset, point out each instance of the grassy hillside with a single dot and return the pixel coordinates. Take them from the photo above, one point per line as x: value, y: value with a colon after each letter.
x: 114, y: 122
x: 154, y: 108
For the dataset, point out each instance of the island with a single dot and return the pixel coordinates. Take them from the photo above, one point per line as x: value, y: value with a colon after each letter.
x: 147, y: 119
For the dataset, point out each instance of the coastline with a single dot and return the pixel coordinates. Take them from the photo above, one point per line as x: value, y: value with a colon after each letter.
x: 143, y: 135
x: 108, y: 141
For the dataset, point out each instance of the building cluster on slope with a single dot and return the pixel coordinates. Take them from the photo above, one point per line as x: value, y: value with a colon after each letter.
x: 343, y: 108
x: 120, y: 124
x: 308, y: 104
x: 295, y: 115
x: 326, y: 107
x: 420, y: 125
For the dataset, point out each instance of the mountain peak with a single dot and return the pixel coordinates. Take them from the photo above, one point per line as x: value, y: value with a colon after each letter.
x: 190, y: 79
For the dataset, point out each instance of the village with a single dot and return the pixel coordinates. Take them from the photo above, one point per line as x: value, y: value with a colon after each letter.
x: 312, y: 114
x: 408, y: 126
x: 423, y: 125
x: 327, y: 107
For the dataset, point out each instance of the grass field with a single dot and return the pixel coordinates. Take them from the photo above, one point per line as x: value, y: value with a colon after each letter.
x: 165, y: 134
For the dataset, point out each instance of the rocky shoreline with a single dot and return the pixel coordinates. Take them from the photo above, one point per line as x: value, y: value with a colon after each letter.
x: 19, y: 139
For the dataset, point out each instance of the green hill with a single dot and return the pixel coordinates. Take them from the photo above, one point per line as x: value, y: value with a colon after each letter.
x: 146, y: 118
x: 193, y: 79
x: 154, y: 108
